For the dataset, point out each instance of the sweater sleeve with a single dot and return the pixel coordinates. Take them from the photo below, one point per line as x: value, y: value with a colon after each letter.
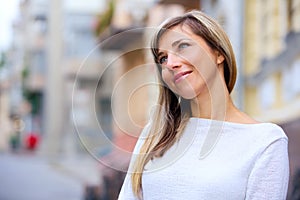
x: 269, y: 176
x: 126, y: 192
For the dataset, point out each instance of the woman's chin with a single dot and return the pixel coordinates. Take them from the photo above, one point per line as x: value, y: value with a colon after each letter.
x: 188, y: 95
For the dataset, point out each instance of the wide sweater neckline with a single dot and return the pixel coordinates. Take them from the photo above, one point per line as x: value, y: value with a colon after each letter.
x: 205, y: 122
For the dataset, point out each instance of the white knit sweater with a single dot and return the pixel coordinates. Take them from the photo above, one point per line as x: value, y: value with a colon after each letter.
x: 244, y: 161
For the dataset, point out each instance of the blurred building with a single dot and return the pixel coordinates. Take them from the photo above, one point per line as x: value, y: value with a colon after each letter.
x: 26, y: 68
x: 5, y: 126
x: 272, y: 67
x: 51, y: 42
x: 230, y: 14
x: 75, y: 63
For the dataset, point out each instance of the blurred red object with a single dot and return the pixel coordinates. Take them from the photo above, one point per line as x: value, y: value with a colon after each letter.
x: 31, y: 141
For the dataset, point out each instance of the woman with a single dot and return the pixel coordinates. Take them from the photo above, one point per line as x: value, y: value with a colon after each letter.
x: 198, y: 145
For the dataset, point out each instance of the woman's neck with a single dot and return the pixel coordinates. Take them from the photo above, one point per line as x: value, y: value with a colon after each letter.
x: 213, y: 104
x: 219, y: 107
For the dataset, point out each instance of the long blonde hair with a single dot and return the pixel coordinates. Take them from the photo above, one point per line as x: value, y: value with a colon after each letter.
x: 171, y: 116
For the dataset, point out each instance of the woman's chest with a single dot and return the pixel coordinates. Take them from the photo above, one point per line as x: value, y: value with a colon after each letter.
x: 221, y: 175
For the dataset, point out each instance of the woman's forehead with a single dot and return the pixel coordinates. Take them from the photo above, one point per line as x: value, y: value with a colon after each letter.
x: 175, y: 33
x: 179, y: 31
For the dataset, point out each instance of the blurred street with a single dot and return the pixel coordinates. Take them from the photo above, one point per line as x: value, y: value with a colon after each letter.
x: 77, y: 82
x: 30, y: 177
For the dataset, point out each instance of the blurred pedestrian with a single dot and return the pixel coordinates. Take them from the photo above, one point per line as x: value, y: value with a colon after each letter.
x: 31, y: 141
x: 198, y: 144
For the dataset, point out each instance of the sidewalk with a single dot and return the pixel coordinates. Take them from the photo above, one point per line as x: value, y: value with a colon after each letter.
x: 30, y: 177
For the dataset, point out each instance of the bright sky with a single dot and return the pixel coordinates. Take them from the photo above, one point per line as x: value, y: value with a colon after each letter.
x: 8, y: 12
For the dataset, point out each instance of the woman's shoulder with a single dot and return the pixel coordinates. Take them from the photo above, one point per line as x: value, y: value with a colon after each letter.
x: 262, y: 129
x: 263, y: 133
x: 270, y: 129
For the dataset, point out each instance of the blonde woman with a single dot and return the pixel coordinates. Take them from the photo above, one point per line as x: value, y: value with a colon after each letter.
x: 198, y: 145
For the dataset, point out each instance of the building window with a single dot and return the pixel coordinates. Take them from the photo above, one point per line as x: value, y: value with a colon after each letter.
x: 78, y: 35
x: 291, y: 82
x: 289, y: 14
x: 295, y: 12
x: 39, y: 62
x: 267, y: 94
x: 286, y: 83
x: 296, y: 75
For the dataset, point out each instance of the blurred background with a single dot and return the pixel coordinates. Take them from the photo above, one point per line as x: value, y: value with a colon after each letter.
x: 77, y: 86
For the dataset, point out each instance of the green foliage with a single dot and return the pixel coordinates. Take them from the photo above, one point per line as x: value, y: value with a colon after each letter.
x: 2, y: 60
x: 104, y: 20
x: 35, y: 100
x: 33, y: 97
x: 25, y: 73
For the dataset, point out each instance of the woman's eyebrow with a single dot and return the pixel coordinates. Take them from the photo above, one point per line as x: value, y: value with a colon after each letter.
x: 178, y: 41
x: 174, y: 44
x: 159, y: 54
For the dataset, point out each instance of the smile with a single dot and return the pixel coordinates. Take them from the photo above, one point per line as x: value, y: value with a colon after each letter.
x: 182, y: 75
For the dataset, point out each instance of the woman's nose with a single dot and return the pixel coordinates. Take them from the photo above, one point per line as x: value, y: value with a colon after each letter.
x: 173, y: 61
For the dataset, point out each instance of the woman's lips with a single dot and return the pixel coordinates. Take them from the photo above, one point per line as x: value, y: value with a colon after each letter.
x: 178, y: 77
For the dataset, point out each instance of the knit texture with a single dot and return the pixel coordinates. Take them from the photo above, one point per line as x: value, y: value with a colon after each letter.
x: 243, y: 161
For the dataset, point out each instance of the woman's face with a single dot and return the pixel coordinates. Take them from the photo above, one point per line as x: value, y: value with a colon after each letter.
x: 189, y: 65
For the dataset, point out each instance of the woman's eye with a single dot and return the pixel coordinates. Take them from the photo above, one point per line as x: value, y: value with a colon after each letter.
x: 162, y: 59
x: 183, y: 45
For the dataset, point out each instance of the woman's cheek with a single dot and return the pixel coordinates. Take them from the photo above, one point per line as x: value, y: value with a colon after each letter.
x: 166, y: 76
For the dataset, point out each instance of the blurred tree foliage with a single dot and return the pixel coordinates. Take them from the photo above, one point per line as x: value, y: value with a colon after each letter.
x: 33, y: 97
x: 104, y: 19
x: 2, y: 60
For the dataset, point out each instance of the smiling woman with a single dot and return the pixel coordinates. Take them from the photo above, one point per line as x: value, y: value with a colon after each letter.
x: 211, y: 149
x: 188, y: 64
